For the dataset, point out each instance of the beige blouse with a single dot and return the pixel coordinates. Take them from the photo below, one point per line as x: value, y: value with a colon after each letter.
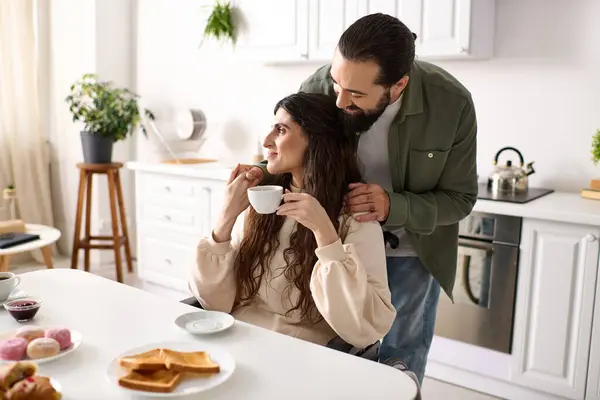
x: 348, y: 284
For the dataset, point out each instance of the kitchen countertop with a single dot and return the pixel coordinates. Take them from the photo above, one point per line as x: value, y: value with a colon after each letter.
x: 212, y: 170
x: 557, y: 206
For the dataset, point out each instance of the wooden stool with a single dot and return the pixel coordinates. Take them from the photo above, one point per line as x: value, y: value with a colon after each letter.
x: 115, y: 194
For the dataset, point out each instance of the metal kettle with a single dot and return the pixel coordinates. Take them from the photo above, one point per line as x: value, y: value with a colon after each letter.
x: 510, y: 178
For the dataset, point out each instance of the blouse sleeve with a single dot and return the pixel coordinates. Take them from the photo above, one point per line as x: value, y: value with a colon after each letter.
x: 350, y: 288
x: 212, y: 280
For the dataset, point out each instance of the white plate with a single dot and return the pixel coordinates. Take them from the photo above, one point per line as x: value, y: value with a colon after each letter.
x: 188, y: 385
x: 75, y: 338
x: 56, y: 385
x: 205, y: 322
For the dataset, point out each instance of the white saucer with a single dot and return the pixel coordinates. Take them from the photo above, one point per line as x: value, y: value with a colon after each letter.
x: 205, y: 322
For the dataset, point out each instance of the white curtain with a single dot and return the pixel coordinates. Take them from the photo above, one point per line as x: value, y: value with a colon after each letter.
x: 24, y: 159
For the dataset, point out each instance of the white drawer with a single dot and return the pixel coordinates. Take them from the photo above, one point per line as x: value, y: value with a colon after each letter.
x: 174, y: 218
x: 189, y: 205
x: 168, y: 187
x: 161, y: 257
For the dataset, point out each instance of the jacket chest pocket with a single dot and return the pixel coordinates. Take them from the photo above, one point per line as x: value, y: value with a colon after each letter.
x: 424, y: 169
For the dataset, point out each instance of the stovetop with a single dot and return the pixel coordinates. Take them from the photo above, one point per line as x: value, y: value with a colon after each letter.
x: 523, y: 197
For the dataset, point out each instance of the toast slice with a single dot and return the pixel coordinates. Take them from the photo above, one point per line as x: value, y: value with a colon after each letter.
x: 151, y: 360
x: 195, y: 362
x: 161, y: 381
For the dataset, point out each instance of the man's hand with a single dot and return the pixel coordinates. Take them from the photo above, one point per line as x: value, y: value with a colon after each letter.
x: 253, y: 174
x: 368, y: 198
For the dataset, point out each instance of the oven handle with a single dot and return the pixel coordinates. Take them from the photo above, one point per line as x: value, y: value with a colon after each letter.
x: 466, y: 260
x: 475, y: 244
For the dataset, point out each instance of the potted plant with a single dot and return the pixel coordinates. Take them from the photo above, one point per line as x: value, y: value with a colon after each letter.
x: 9, y: 192
x: 220, y: 24
x: 109, y: 114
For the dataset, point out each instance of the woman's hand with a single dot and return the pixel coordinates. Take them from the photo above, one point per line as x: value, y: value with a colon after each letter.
x: 236, y: 201
x: 307, y: 211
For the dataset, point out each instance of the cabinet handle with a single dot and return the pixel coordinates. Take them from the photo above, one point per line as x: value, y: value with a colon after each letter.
x: 590, y: 238
x: 168, y: 188
x: 304, y: 55
x: 168, y: 217
x: 168, y: 261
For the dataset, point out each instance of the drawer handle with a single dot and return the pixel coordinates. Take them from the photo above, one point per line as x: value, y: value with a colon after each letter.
x: 168, y: 261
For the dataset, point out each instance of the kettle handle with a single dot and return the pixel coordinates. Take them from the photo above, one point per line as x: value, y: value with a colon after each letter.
x: 521, y: 159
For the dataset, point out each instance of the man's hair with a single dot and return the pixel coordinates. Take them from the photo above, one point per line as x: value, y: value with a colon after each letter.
x: 383, y: 39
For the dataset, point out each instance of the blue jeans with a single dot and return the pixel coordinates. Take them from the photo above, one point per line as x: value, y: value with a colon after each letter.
x: 415, y: 296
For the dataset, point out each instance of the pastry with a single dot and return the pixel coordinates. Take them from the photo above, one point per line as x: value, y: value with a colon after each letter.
x: 61, y: 335
x: 13, y: 349
x: 42, y: 348
x: 30, y: 332
x: 12, y: 373
x: 33, y: 388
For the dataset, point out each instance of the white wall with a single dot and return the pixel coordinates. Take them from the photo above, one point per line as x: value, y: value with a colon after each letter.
x: 87, y: 36
x: 530, y: 95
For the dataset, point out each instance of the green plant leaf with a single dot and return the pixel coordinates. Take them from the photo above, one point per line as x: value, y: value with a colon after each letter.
x: 219, y: 24
x: 101, y: 107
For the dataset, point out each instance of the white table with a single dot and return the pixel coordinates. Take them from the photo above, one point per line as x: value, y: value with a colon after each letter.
x: 114, y: 318
x: 48, y: 235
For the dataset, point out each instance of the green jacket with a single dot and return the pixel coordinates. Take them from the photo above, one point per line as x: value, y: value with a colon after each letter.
x: 433, y: 152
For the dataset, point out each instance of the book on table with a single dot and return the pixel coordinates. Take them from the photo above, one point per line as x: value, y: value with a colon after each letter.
x: 11, y: 239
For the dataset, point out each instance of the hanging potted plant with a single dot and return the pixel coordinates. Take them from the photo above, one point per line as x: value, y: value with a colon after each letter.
x: 109, y: 114
x: 220, y: 24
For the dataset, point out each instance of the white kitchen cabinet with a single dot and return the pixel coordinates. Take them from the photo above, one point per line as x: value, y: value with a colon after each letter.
x: 593, y: 381
x: 308, y: 30
x: 451, y: 28
x: 174, y: 209
x: 444, y: 28
x: 554, y: 307
x: 272, y: 30
x: 328, y: 20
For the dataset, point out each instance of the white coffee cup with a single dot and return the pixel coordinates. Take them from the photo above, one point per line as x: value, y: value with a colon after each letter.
x: 265, y: 199
x: 8, y: 281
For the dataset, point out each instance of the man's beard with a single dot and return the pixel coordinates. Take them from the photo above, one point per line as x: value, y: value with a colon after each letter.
x: 361, y: 120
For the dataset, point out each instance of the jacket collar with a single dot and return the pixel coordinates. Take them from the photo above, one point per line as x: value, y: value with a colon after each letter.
x: 412, y: 101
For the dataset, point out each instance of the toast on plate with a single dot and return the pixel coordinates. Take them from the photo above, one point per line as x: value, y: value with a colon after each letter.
x: 151, y: 360
x: 161, y: 381
x: 195, y: 362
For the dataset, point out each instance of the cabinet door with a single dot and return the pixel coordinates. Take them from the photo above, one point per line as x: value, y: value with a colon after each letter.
x: 442, y: 26
x: 328, y: 20
x: 390, y: 7
x: 554, y: 306
x: 272, y: 30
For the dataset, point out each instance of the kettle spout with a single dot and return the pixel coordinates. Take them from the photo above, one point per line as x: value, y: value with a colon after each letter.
x: 529, y: 169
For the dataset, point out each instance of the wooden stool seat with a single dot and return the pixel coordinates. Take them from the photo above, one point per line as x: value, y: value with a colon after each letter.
x: 117, y: 239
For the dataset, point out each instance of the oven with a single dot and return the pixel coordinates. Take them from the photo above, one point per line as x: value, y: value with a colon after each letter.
x: 484, y: 291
